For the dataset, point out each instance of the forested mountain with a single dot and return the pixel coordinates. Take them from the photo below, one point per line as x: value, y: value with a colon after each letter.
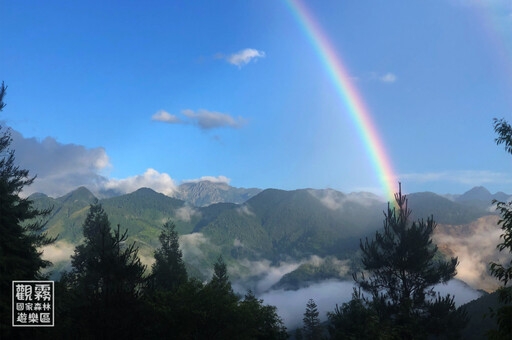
x: 274, y: 225
x: 204, y: 193
x: 479, y: 197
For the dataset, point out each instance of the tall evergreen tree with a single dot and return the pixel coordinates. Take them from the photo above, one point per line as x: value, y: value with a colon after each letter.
x: 220, y: 278
x: 168, y: 271
x: 400, y: 274
x: 312, y: 329
x: 503, y: 271
x: 106, y: 279
x: 258, y: 321
x: 21, y: 227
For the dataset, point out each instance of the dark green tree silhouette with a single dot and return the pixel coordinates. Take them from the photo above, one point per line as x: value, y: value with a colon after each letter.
x: 21, y: 228
x: 220, y: 305
x: 400, y: 274
x: 259, y: 321
x: 220, y: 278
x: 312, y: 330
x: 357, y: 319
x: 168, y: 271
x: 503, y: 272
x: 106, y: 280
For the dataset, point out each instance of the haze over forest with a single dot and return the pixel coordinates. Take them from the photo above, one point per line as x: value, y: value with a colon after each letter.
x: 268, y: 245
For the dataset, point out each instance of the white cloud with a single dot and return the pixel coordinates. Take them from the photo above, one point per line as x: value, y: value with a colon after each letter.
x: 244, y: 57
x: 218, y: 179
x: 291, y: 304
x: 388, y: 78
x: 470, y: 177
x: 244, y: 210
x: 186, y: 212
x: 475, y: 246
x: 163, y: 116
x: 268, y: 274
x: 460, y: 291
x: 59, y: 167
x: 190, y: 246
x: 58, y: 252
x: 160, y: 182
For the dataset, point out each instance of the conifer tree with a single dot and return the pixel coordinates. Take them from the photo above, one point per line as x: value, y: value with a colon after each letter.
x: 400, y: 272
x: 106, y: 279
x: 220, y: 278
x: 258, y: 321
x: 503, y: 271
x: 312, y: 329
x: 21, y: 227
x: 168, y: 271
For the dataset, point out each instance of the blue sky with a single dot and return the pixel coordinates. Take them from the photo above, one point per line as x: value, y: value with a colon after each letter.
x: 249, y: 98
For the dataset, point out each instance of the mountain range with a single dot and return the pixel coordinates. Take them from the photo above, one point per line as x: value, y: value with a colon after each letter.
x: 271, y: 225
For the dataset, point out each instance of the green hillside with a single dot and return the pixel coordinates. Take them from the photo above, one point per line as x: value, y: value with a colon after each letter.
x: 424, y: 204
x: 275, y: 224
x: 480, y: 322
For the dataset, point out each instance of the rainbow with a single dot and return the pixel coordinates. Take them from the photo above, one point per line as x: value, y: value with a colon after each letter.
x: 349, y: 95
x: 495, y: 20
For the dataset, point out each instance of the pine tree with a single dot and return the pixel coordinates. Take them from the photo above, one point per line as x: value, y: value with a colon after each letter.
x: 312, y: 329
x: 356, y: 319
x: 21, y: 228
x: 168, y: 271
x: 503, y: 272
x: 106, y: 279
x: 401, y: 272
x: 259, y: 321
x: 220, y: 278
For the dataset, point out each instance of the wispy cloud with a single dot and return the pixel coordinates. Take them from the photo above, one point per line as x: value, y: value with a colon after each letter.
x: 218, y: 179
x: 388, y: 78
x: 203, y: 119
x: 210, y: 119
x: 162, y: 116
x: 471, y: 177
x: 242, y: 57
x: 186, y: 213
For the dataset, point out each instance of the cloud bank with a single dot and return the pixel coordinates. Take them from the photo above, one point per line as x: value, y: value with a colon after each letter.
x: 291, y: 304
x: 475, y: 246
x: 160, y: 182
x: 59, y: 167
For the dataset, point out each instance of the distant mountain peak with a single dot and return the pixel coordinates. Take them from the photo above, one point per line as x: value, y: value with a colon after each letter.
x: 37, y: 195
x: 477, y: 193
x: 205, y: 192
x: 79, y: 194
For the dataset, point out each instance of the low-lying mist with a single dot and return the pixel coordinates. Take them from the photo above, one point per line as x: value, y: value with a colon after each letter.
x: 291, y: 304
